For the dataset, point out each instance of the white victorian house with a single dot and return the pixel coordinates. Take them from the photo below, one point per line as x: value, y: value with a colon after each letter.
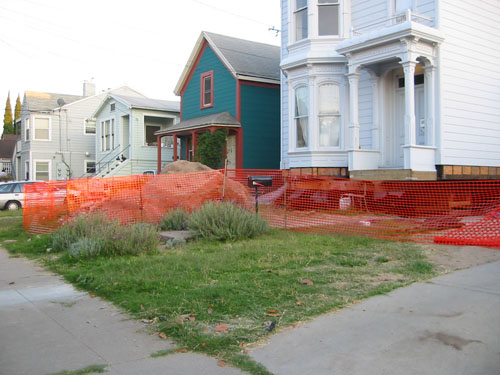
x: 391, y: 89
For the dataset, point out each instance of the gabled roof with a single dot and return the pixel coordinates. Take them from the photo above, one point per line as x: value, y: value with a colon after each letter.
x: 139, y: 103
x: 147, y: 103
x: 7, y: 145
x: 46, y: 101
x: 245, y: 59
x: 217, y: 119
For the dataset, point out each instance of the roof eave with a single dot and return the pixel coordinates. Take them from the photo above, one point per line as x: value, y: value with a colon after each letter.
x: 243, y: 77
x: 195, y: 127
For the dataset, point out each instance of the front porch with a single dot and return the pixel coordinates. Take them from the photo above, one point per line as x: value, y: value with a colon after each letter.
x: 185, y: 138
x: 401, y: 139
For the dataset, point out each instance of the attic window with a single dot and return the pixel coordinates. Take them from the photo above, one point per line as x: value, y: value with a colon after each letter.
x: 207, y: 89
x: 112, y: 107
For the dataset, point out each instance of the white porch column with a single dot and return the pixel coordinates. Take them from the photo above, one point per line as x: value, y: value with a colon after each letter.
x: 375, y: 112
x: 353, y: 111
x: 409, y: 70
x: 430, y: 107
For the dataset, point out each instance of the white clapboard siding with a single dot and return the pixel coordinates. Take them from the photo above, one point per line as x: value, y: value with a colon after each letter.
x: 285, y: 162
x: 368, y: 14
x: 470, y: 82
x: 365, y: 111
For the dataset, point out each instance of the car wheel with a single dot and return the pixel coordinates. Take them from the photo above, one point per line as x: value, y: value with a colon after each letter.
x: 12, y: 206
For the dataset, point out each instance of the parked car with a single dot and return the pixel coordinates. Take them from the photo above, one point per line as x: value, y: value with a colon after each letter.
x: 12, y: 194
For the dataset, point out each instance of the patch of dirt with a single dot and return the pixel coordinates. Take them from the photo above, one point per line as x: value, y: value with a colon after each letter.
x: 450, y: 258
x: 184, y: 166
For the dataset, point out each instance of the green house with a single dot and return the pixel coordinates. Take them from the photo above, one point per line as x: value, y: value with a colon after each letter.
x: 231, y: 84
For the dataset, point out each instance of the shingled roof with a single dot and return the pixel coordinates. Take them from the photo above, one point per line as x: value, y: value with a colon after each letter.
x: 223, y: 119
x: 46, y: 101
x: 7, y: 145
x: 147, y: 103
x: 244, y: 58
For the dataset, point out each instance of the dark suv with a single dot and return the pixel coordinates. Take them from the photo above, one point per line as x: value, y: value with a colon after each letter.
x: 12, y: 195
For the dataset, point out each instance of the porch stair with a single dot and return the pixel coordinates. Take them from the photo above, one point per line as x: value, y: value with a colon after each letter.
x: 118, y: 168
x: 392, y: 175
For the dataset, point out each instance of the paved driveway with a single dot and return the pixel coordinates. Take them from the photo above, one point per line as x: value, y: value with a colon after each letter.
x: 447, y: 326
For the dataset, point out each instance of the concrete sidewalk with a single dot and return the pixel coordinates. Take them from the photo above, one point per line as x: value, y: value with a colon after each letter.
x: 447, y: 326
x: 46, y: 326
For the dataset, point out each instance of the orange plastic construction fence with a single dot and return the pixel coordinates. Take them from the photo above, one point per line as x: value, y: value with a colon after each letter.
x: 448, y: 212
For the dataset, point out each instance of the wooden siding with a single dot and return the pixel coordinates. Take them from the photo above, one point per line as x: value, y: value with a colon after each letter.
x: 260, y: 118
x: 224, y: 88
x: 285, y: 162
x: 470, y: 82
x: 368, y: 12
x: 365, y: 103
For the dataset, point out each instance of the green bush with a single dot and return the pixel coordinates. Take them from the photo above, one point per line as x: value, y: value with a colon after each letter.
x: 91, y: 235
x: 174, y: 220
x: 85, y: 248
x: 79, y: 227
x: 225, y: 221
x: 137, y: 238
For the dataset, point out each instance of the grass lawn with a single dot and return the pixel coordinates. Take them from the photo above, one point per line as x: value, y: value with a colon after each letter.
x: 218, y: 298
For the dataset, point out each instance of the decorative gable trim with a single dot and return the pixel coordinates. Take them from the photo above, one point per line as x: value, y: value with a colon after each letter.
x: 188, y: 72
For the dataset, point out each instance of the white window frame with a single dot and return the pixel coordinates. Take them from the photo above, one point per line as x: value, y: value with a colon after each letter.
x: 293, y: 133
x: 393, y: 4
x: 103, y: 134
x: 85, y: 166
x: 49, y: 166
x: 27, y: 170
x: 295, y: 12
x: 27, y: 129
x: 86, y: 125
x: 337, y: 3
x: 33, y: 130
x: 338, y: 114
x: 145, y: 134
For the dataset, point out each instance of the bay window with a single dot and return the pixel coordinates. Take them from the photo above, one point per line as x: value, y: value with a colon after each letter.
x: 329, y: 115
x: 27, y: 130
x: 328, y: 17
x: 300, y: 19
x: 301, y: 117
x: 400, y: 7
x: 41, y: 129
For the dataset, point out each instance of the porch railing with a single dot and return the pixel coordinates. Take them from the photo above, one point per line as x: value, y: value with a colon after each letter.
x: 390, y: 21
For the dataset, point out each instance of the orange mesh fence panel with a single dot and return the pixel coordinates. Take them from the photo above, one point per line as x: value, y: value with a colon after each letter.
x: 451, y: 212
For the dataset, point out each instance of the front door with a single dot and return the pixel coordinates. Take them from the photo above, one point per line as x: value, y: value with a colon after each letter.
x: 231, y: 151
x: 398, y: 128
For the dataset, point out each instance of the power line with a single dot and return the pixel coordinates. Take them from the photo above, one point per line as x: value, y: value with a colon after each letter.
x: 232, y: 13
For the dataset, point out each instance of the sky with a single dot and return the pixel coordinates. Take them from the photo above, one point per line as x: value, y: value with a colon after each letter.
x: 54, y: 45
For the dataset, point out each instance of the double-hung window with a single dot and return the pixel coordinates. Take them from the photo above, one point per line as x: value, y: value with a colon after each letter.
x: 328, y: 17
x: 107, y: 135
x: 300, y: 19
x: 399, y: 8
x: 41, y: 129
x: 27, y: 130
x: 42, y: 170
x: 207, y: 89
x: 301, y: 117
x: 89, y: 166
x: 89, y: 126
x: 329, y: 115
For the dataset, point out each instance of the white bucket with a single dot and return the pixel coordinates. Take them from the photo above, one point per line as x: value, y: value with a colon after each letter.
x: 345, y: 203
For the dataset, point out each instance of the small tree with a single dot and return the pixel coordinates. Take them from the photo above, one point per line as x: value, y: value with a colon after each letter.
x: 17, y: 112
x: 8, y: 123
x: 210, y: 147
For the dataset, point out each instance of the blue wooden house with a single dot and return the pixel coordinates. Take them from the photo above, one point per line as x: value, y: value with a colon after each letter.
x: 232, y: 84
